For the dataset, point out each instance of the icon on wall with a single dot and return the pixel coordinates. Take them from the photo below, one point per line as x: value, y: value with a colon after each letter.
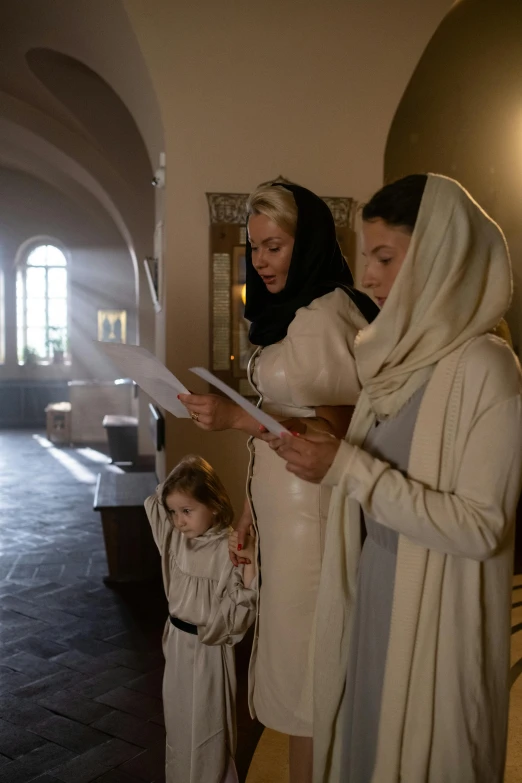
x: 112, y: 326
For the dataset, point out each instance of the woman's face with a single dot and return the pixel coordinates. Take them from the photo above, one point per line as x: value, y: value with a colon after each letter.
x: 271, y: 251
x: 384, y: 249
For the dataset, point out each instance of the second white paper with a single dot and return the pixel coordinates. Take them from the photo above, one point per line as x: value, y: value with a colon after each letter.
x: 272, y: 425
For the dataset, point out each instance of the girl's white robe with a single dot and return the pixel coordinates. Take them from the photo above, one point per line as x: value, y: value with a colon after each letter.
x: 203, y: 588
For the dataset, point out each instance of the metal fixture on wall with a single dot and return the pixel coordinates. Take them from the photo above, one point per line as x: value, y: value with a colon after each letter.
x: 158, y: 181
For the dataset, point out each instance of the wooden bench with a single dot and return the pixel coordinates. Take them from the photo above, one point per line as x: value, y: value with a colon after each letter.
x: 132, y: 555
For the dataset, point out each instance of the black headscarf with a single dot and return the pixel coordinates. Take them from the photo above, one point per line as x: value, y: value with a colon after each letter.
x: 316, y: 268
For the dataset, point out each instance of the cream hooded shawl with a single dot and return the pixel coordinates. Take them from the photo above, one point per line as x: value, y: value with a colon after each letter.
x: 445, y: 693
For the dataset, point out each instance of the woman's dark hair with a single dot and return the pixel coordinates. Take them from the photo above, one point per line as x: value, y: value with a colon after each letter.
x: 195, y: 477
x: 398, y: 203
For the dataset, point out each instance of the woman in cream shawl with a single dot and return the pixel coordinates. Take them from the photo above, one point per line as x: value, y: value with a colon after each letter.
x: 444, y: 284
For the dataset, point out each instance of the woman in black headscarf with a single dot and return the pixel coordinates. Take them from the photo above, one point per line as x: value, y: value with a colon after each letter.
x: 304, y: 316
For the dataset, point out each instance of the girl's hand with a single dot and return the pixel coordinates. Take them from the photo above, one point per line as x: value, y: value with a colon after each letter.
x: 310, y: 458
x: 212, y: 412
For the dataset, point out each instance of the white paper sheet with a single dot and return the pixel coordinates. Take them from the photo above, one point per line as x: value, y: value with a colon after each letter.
x: 150, y: 375
x: 273, y: 426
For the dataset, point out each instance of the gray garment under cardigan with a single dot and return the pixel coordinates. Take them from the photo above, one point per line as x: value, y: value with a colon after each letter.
x: 390, y: 441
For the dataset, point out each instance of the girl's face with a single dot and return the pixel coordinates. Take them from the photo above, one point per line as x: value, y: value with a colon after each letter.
x: 384, y: 248
x: 188, y: 515
x: 271, y: 251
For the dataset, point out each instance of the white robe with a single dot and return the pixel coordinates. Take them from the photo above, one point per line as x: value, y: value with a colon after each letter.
x: 446, y: 689
x: 204, y: 589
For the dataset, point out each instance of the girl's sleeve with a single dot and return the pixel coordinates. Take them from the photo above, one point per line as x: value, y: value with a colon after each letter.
x: 318, y: 352
x: 233, y: 609
x: 471, y: 521
x: 159, y: 521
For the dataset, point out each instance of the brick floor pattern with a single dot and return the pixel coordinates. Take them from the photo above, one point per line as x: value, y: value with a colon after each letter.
x: 80, y: 663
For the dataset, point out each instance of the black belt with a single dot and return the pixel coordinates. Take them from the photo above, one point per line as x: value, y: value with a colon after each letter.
x: 183, y: 626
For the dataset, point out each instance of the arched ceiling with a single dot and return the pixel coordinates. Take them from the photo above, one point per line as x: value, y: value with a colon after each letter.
x: 76, y: 104
x: 97, y: 110
x: 23, y: 150
x: 95, y: 32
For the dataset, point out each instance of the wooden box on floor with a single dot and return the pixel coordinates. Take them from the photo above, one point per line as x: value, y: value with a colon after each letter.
x: 58, y: 421
x: 122, y: 434
x: 132, y: 555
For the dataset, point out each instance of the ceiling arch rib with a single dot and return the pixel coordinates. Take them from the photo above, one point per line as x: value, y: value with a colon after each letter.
x: 97, y: 35
x: 99, y: 111
x: 22, y: 149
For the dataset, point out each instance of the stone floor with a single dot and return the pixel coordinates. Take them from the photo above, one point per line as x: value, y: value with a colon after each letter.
x: 80, y: 664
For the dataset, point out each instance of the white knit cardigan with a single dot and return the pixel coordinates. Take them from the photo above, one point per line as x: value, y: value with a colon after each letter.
x: 445, y: 695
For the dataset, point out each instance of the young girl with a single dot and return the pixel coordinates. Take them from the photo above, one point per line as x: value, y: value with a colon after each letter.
x: 211, y: 606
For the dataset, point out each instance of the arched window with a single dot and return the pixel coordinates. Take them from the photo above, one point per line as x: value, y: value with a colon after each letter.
x: 41, y: 305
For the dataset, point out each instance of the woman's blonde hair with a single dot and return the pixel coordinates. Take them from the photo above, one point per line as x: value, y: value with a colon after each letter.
x: 276, y: 203
x: 195, y: 477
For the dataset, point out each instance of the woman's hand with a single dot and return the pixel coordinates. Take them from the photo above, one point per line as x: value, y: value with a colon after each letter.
x: 247, y: 549
x: 310, y: 457
x: 241, y: 533
x: 295, y: 426
x: 212, y: 412
x: 330, y: 420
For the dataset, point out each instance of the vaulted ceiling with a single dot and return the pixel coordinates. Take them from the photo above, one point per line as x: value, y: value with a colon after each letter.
x: 76, y: 105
